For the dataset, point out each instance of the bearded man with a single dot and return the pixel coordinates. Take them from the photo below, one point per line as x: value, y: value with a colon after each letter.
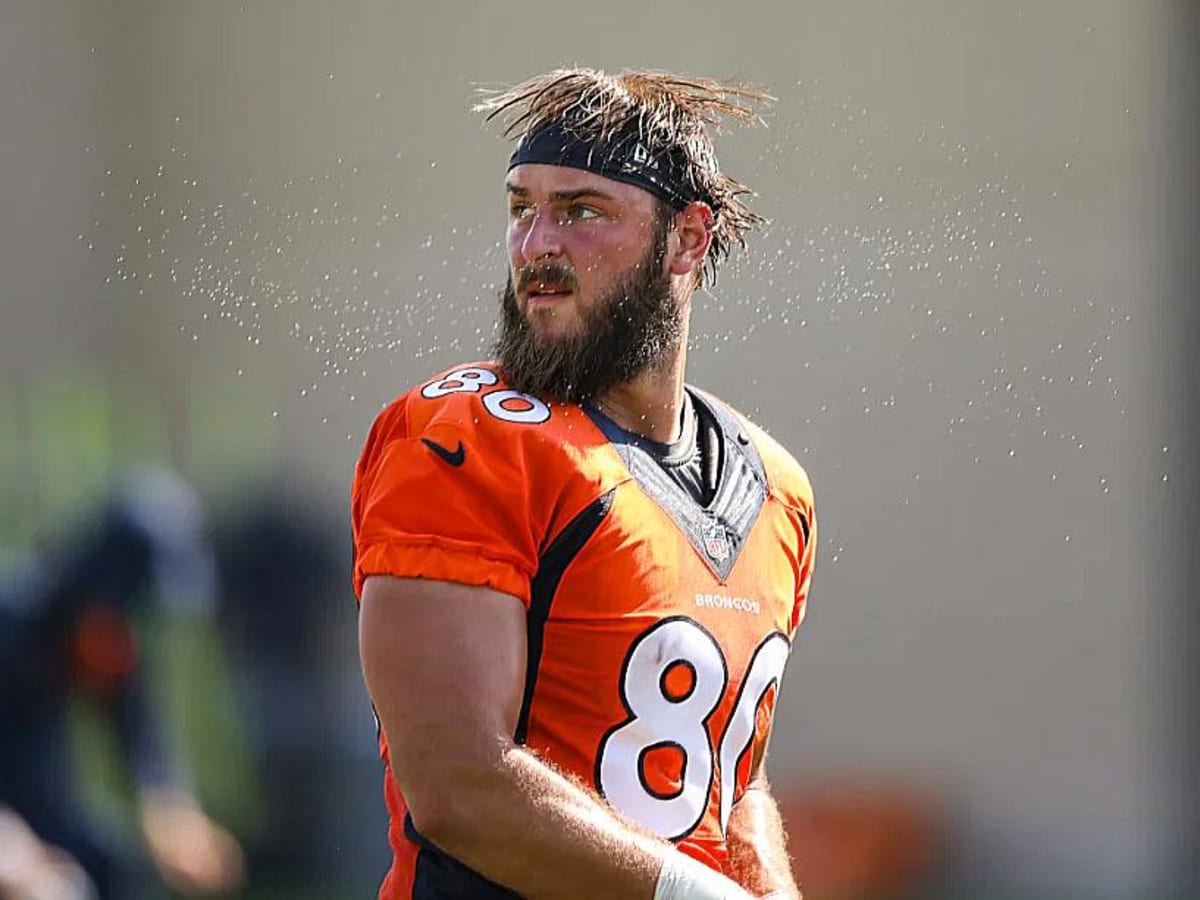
x: 580, y: 577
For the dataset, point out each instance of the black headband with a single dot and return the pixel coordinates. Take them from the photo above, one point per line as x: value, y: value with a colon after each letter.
x: 621, y: 156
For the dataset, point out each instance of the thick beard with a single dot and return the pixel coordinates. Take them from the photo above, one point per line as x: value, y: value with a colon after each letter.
x: 632, y: 329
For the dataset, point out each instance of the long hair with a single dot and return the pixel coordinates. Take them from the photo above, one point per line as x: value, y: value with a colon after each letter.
x: 668, y: 112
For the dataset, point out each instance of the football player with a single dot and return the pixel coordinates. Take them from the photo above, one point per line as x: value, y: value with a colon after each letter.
x: 580, y: 576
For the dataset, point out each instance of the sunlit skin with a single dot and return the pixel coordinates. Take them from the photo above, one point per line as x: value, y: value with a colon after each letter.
x: 597, y: 229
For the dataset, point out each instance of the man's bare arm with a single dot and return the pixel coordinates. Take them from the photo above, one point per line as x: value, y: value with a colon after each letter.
x: 758, y: 857
x: 445, y: 666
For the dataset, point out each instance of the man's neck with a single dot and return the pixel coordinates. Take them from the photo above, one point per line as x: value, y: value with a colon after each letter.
x: 651, y: 404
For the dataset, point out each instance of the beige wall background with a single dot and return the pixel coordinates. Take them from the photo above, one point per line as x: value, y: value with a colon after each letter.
x: 267, y: 219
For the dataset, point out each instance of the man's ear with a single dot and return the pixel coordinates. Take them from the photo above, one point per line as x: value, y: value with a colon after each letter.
x: 693, y: 226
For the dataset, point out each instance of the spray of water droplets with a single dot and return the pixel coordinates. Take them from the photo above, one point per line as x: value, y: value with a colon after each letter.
x: 869, y: 260
x: 268, y: 262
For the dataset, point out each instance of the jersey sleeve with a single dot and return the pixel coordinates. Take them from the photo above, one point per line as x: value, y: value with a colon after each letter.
x: 418, y: 514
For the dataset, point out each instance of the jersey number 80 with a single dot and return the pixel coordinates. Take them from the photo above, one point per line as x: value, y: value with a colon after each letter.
x: 661, y: 719
x: 504, y: 403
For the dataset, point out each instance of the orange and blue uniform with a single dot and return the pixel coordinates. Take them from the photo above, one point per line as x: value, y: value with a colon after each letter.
x: 657, y: 628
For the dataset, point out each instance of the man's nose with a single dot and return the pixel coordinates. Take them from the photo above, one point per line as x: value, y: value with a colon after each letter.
x: 543, y: 239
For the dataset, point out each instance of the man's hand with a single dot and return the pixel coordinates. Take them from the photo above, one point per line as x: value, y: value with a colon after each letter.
x: 193, y: 854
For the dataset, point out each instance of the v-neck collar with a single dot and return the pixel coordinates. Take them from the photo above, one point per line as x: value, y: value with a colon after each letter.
x: 718, y: 531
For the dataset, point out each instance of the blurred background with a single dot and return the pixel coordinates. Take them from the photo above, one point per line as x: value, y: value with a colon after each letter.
x: 230, y: 232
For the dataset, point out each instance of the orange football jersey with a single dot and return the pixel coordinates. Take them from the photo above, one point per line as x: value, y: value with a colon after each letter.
x: 657, y: 629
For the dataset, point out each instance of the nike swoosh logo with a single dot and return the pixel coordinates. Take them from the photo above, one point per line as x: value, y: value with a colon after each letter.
x: 455, y: 457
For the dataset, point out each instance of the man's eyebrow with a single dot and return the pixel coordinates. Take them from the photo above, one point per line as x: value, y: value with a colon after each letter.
x: 562, y: 196
x: 580, y: 192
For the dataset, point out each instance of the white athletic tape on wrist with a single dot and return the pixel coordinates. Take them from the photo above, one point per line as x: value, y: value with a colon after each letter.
x: 683, y: 878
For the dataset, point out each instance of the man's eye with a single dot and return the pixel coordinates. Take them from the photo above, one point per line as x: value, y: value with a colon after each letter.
x: 583, y: 212
x: 520, y: 211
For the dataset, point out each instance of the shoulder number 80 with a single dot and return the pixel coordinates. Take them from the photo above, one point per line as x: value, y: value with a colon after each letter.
x: 504, y: 403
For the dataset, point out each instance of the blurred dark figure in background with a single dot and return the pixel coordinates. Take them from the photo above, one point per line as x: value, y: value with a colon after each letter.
x: 280, y: 562
x: 68, y: 629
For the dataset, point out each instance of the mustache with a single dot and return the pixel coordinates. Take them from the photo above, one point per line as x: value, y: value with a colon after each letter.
x: 546, y: 273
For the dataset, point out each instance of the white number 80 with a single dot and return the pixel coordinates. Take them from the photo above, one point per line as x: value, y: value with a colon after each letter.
x: 658, y: 720
x: 505, y: 404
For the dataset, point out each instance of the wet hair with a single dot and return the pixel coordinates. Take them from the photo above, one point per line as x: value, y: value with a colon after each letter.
x: 670, y: 115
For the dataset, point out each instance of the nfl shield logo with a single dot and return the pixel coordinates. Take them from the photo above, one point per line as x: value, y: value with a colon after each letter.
x: 716, y: 543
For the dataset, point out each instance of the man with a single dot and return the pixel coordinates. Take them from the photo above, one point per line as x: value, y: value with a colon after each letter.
x: 579, y: 578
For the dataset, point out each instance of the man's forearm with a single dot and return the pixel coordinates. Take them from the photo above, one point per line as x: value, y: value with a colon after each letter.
x: 524, y: 825
x: 758, y: 857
